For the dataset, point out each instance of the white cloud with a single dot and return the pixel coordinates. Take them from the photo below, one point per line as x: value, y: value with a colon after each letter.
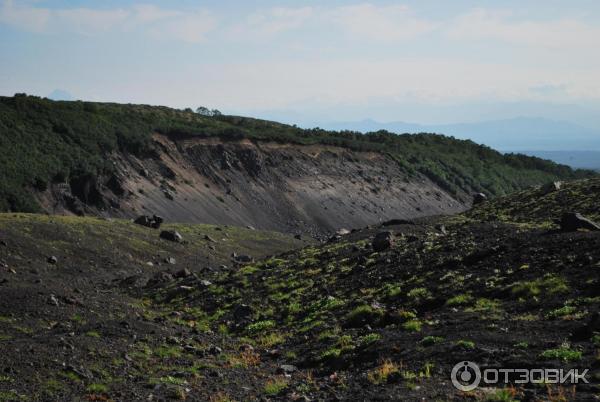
x: 276, y: 20
x: 190, y: 26
x: 362, y: 21
x: 482, y: 24
x: 28, y: 18
x: 385, y: 23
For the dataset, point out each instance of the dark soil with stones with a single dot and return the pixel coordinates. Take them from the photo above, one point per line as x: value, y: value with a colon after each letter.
x: 122, y: 314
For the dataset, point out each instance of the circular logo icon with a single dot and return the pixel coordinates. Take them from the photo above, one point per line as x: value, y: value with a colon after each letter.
x: 466, y: 376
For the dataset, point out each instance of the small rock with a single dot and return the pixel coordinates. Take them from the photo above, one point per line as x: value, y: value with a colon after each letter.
x: 243, y: 259
x: 215, y: 350
x: 171, y: 235
x: 441, y: 228
x: 52, y: 300
x: 210, y: 239
x: 170, y: 260
x: 183, y: 273
x: 243, y: 312
x: 52, y: 260
x: 571, y: 222
x: 169, y: 195
x: 342, y: 232
x: 298, y: 237
x: 246, y: 348
x: 205, y: 283
x: 479, y: 198
x: 383, y: 241
x: 250, y: 227
x: 286, y: 369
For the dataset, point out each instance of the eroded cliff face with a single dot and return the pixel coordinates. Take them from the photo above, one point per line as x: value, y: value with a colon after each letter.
x: 293, y: 188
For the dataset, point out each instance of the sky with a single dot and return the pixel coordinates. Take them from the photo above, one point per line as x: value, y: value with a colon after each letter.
x: 428, y: 62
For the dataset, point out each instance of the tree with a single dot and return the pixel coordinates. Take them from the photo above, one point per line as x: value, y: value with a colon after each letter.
x: 204, y: 111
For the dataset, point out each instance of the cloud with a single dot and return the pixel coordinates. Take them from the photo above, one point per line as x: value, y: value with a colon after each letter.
x: 277, y: 20
x: 385, y: 23
x: 27, y: 18
x: 359, y: 21
x: 482, y: 24
x: 190, y: 26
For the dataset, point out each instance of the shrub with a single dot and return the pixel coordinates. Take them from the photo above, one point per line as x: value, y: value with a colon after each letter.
x: 364, y: 314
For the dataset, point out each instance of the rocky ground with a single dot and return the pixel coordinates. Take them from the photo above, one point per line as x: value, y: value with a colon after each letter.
x: 121, y: 314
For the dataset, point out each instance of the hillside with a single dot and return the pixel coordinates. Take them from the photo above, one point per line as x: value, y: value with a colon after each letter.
x: 500, y: 286
x: 126, y: 160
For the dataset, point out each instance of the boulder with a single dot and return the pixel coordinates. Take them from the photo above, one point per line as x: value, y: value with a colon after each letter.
x: 551, y: 187
x: 243, y: 312
x: 171, y: 235
x: 572, y: 221
x: 243, y: 259
x: 152, y: 222
x: 286, y: 369
x: 383, y: 241
x: 479, y: 198
x: 142, y: 220
x: 183, y: 273
x: 588, y: 330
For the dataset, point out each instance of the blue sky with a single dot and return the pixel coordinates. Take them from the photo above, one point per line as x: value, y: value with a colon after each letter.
x: 419, y: 61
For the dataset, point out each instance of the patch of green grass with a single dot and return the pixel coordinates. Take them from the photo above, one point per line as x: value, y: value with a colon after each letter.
x: 99, y: 388
x: 564, y: 353
x: 368, y: 339
x: 549, y: 284
x: 391, y: 290
x: 93, y: 334
x: 275, y: 386
x: 465, y: 344
x: 419, y: 294
x: 412, y: 325
x: 260, y: 326
x: 431, y: 340
x: 165, y: 352
x: 459, y: 300
x: 364, y: 314
x: 502, y: 395
x: 561, y: 312
x: 522, y: 345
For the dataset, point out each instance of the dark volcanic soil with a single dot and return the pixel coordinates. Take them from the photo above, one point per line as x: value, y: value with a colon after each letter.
x: 335, y: 321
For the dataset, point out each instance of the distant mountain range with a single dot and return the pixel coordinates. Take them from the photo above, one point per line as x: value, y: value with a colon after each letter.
x: 560, y: 141
x: 575, y: 159
x: 520, y: 133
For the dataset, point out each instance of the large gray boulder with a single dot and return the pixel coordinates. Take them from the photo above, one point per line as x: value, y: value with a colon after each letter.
x: 171, y: 235
x: 383, y: 241
x: 572, y: 221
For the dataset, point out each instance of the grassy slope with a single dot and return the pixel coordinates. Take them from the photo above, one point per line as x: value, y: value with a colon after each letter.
x: 359, y: 324
x: 507, y: 292
x: 537, y: 206
x: 111, y: 339
x: 45, y: 141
